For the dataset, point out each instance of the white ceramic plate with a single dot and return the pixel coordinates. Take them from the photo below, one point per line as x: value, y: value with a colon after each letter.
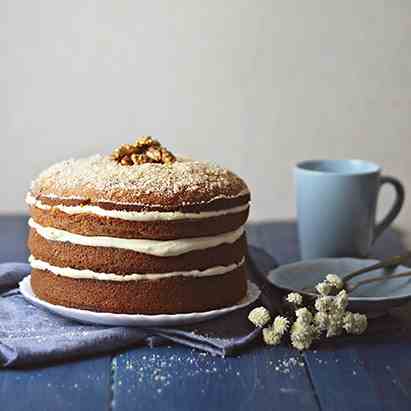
x: 374, y: 298
x: 135, y: 320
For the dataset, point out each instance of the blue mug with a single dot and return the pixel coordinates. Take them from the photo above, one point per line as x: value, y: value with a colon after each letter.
x: 336, y: 207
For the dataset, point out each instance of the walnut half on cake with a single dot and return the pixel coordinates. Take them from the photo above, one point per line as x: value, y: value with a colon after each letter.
x: 138, y: 232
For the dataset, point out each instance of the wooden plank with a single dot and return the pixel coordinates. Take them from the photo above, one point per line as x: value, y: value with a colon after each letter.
x: 179, y: 378
x: 341, y: 380
x: 74, y: 386
x: 368, y: 373
x: 385, y: 354
x: 388, y: 362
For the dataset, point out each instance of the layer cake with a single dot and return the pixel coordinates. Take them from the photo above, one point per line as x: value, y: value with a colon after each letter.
x: 138, y: 232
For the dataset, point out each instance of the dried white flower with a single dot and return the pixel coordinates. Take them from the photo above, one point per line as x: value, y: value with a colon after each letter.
x: 304, y: 315
x: 321, y: 320
x: 330, y: 316
x: 302, y: 335
x: 259, y: 316
x: 360, y: 323
x: 270, y: 336
x: 341, y: 300
x: 323, y: 288
x: 335, y: 323
x: 355, y: 323
x: 280, y: 325
x: 295, y: 298
x: 300, y: 329
x: 325, y: 303
x: 334, y: 281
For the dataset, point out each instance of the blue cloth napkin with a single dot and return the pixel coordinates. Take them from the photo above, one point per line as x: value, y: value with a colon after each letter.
x: 31, y: 335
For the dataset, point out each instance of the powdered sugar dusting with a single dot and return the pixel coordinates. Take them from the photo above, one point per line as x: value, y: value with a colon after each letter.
x: 99, y: 178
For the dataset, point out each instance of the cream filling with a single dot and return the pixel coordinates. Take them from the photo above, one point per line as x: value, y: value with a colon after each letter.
x: 88, y: 274
x: 134, y: 215
x: 158, y: 248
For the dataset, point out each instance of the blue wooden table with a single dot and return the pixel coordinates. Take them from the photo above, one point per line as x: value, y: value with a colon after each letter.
x: 366, y: 373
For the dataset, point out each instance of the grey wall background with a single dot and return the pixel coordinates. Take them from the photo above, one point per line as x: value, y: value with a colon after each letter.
x: 255, y: 85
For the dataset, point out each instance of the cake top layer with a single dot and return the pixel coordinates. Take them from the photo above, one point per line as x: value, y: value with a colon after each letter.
x: 101, y: 179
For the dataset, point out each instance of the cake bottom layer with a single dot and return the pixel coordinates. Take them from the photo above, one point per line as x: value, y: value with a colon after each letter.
x: 164, y: 296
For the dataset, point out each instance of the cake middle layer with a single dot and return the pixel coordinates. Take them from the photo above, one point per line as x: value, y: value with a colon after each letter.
x: 163, y: 248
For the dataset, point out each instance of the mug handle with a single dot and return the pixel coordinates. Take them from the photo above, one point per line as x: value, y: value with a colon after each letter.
x: 396, y: 207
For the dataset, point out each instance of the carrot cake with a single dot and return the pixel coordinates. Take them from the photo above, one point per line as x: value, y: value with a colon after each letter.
x: 140, y: 231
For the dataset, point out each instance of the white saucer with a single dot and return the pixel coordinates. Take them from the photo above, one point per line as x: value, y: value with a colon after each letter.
x: 135, y: 320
